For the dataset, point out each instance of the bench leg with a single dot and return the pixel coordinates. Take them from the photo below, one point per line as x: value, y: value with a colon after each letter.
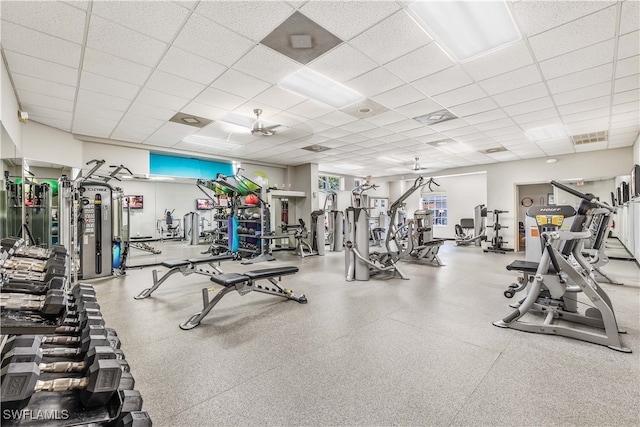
x: 207, y: 306
x: 279, y: 291
x: 156, y: 283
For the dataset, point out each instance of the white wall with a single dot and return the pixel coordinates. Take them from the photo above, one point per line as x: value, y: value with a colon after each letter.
x: 275, y: 176
x: 137, y: 160
x: 51, y: 145
x: 9, y: 113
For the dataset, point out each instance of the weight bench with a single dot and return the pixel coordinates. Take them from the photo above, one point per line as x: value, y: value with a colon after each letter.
x: 528, y: 270
x: 186, y: 267
x: 245, y: 283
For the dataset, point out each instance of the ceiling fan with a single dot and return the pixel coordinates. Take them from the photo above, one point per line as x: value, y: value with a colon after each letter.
x: 259, y: 129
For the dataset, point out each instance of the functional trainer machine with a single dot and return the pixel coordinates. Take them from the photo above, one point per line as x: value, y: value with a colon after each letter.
x: 477, y: 224
x: 553, y: 284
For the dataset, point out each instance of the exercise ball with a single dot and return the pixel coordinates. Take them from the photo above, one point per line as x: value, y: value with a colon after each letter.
x: 251, y: 199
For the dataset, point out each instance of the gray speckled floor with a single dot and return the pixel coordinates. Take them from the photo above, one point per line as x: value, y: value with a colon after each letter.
x: 395, y: 352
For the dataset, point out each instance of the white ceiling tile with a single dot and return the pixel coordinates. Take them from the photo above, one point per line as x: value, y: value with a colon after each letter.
x: 509, y: 58
x: 334, y: 133
x: 87, y: 110
x: 33, y: 43
x: 598, y: 113
x: 32, y: 84
x: 353, y: 138
x: 626, y: 123
x: 404, y: 125
x: 294, y: 121
x: 210, y: 40
x: 342, y: 63
x: 624, y: 97
x: 583, y: 32
x: 34, y: 67
x: 374, y: 82
x: 399, y: 96
x: 590, y: 104
x: 158, y: 19
x: 577, y: 95
x: 444, y: 81
x: 616, y: 131
x: 458, y: 132
x: 101, y: 100
x: 535, y: 17
x: 629, y: 45
x: 517, y: 96
x: 495, y: 124
x: 460, y: 96
x: 599, y: 74
x: 625, y: 117
x: 417, y: 132
x: 581, y: 59
x: 47, y: 113
x: 627, y: 67
x: 147, y: 110
x: 504, y: 132
x: 529, y: 106
x: 549, y: 113
x: 219, y: 99
x: 267, y: 64
x: 419, y: 63
x: 122, y: 42
x: 629, y: 17
x: 175, y: 130
x: 45, y: 101
x: 161, y: 141
x: 391, y: 38
x: 130, y: 135
x: 97, y: 130
x: 64, y: 125
x: 419, y: 108
x: 448, y: 125
x: 474, y: 107
x: 586, y: 126
x: 110, y: 66
x: 253, y: 19
x: 311, y: 109
x: 625, y: 108
x: 515, y: 79
x: 53, y: 18
x: 174, y: 85
x: 279, y: 98
x: 336, y: 118
x: 108, y: 86
x: 153, y: 97
x: 385, y: 118
x: 622, y: 143
x: 137, y: 122
x: 82, y: 121
x: 189, y: 66
x: 485, y: 117
x: 347, y: 19
x: 594, y: 146
x: 358, y: 126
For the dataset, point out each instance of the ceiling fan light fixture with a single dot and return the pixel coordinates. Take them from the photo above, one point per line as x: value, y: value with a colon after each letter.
x: 257, y: 128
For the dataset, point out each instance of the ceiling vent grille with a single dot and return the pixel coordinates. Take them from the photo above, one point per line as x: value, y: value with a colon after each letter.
x: 190, y: 120
x: 493, y: 150
x: 316, y: 148
x: 589, y: 138
x: 436, y: 117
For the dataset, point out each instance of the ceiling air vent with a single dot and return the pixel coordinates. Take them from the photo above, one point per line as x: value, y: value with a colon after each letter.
x: 588, y: 138
x: 436, y: 117
x: 316, y: 148
x: 493, y: 150
x: 190, y: 120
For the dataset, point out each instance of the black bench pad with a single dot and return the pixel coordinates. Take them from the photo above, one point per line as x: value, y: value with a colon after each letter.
x: 229, y: 279
x: 271, y: 272
x: 209, y: 259
x: 175, y: 263
x: 527, y: 266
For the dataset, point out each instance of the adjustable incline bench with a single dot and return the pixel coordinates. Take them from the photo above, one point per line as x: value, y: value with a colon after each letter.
x: 245, y: 283
x: 186, y: 267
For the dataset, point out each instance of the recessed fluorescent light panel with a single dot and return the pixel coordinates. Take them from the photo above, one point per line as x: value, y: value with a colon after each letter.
x: 467, y: 29
x: 316, y: 86
x: 546, y: 132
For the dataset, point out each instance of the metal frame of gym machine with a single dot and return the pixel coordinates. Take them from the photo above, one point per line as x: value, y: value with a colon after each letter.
x: 557, y: 275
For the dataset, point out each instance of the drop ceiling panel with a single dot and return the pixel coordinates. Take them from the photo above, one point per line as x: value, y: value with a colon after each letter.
x: 122, y: 42
x: 117, y: 68
x: 630, y: 117
x: 444, y: 81
x: 419, y: 63
x: 549, y: 113
x: 47, y: 113
x: 536, y: 17
x: 404, y: 125
x: 524, y: 94
x: 32, y: 84
x: 64, y: 125
x: 462, y: 131
x: 629, y: 45
x: 311, y: 109
x: 358, y: 126
x: 399, y: 96
x: 87, y: 110
x: 53, y: 18
x: 342, y: 63
x: 152, y: 111
x: 460, y: 96
x: 377, y: 132
x: 158, y: 19
x: 529, y: 106
x: 348, y: 19
x: 578, y: 34
x: 509, y: 58
x: 390, y: 39
x: 241, y: 84
x: 353, y: 138
x: 181, y: 63
x: 38, y: 68
x: 130, y: 135
x: 628, y: 66
x: 599, y: 74
x: 278, y: 98
x: 582, y: 94
x: 586, y: 126
x: 174, y: 130
x: 153, y: 97
x: 386, y: 118
x: 219, y: 99
x: 515, y: 79
x: 417, y: 132
x: 590, y: 104
x: 474, y: 107
x: 581, y: 59
x: 108, y: 86
x: 629, y: 17
x: 624, y: 97
x: 45, y: 101
x: 374, y: 82
x: 39, y: 45
x: 267, y: 64
x: 334, y: 133
x: 101, y: 100
x: 591, y: 147
x: 448, y: 125
x: 496, y: 124
x: 336, y: 118
x: 419, y: 108
x: 89, y: 122
x: 136, y: 122
x: 503, y: 132
x: 485, y: 117
x: 253, y: 19
x: 212, y: 41
x: 625, y: 108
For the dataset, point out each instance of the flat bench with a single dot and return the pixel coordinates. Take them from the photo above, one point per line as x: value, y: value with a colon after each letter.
x: 244, y: 283
x: 186, y: 267
x: 528, y: 270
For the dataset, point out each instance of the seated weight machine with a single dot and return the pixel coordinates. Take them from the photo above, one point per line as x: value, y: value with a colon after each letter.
x: 478, y: 224
x: 554, y: 284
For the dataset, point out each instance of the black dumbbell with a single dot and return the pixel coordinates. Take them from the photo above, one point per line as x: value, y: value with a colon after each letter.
x: 21, y: 380
x: 51, y: 304
x: 134, y: 419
